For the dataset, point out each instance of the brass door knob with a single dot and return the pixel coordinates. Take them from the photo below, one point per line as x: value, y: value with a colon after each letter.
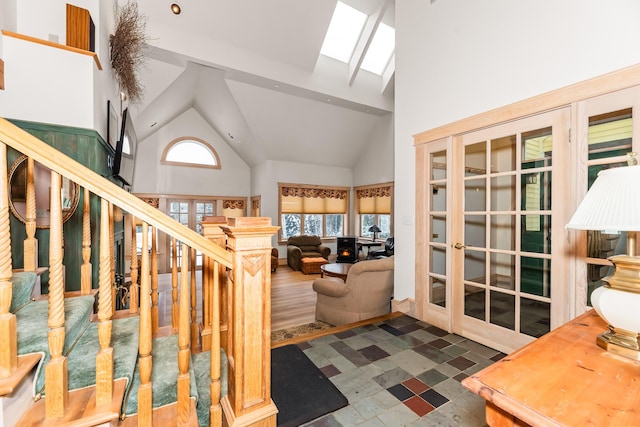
x: 459, y: 246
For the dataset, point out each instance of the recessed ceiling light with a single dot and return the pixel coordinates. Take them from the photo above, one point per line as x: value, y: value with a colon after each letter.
x: 175, y: 8
x: 276, y: 86
x: 328, y: 99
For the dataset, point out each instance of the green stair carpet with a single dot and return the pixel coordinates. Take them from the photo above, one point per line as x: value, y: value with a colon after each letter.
x: 21, y: 287
x: 164, y: 375
x: 32, y: 328
x: 124, y: 341
x: 202, y: 367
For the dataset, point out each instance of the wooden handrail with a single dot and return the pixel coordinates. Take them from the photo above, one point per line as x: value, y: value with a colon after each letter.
x: 43, y: 153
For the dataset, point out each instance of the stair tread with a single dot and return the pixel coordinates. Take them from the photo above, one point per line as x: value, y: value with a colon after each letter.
x: 21, y: 288
x: 32, y: 328
x: 124, y: 341
x: 164, y: 375
x: 202, y: 368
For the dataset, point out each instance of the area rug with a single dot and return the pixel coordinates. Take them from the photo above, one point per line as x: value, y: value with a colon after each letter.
x: 299, y: 389
x: 296, y: 331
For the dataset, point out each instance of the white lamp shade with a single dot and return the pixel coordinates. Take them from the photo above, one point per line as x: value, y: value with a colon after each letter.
x: 612, y: 203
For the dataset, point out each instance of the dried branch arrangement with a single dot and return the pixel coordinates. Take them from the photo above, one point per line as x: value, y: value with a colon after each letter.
x: 127, y: 49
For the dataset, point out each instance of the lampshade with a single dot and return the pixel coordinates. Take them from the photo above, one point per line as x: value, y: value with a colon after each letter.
x: 374, y: 229
x: 612, y: 203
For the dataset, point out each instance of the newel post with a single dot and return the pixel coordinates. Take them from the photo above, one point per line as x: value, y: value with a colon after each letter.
x: 211, y: 229
x: 248, y: 401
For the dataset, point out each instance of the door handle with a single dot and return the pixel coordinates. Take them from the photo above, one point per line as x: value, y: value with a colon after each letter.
x: 459, y: 246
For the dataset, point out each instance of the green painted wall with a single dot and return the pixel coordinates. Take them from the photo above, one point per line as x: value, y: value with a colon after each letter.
x: 88, y: 148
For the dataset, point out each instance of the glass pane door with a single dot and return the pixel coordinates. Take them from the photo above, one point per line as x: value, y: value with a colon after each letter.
x: 435, y: 231
x: 506, y: 185
x: 610, y: 138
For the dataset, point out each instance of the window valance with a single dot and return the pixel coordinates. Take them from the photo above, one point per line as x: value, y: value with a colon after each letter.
x: 314, y: 200
x: 374, y: 199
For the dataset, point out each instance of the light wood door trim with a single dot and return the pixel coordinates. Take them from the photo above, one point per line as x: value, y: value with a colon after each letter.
x: 607, y: 83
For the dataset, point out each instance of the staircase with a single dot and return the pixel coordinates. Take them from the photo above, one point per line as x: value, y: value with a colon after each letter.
x: 69, y: 358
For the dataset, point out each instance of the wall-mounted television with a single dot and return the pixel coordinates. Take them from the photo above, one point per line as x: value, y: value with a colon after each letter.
x: 124, y: 159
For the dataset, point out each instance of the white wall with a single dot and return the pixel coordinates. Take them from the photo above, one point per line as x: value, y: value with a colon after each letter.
x: 233, y: 179
x: 45, y: 84
x: 456, y: 58
x: 266, y: 176
x: 376, y: 160
x: 7, y: 18
x: 49, y: 85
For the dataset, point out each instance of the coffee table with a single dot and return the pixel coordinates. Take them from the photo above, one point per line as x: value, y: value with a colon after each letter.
x: 339, y: 270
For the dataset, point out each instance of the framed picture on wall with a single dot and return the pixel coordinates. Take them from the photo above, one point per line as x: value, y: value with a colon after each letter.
x: 112, y: 125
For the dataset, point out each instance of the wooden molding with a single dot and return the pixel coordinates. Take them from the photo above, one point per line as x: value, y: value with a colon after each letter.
x: 52, y: 44
x: 607, y: 83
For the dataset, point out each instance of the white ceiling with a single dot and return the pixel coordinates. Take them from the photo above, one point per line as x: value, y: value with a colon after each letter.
x: 251, y: 68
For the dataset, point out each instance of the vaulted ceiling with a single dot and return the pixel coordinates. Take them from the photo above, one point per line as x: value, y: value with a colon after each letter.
x: 253, y: 71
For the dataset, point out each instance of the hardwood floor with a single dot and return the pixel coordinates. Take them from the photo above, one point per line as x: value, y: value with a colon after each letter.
x: 293, y: 301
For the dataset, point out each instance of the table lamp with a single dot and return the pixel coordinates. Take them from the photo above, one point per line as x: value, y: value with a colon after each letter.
x: 375, y: 230
x: 612, y: 204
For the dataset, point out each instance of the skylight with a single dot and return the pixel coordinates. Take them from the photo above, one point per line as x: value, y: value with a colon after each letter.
x: 343, y: 33
x: 381, y: 49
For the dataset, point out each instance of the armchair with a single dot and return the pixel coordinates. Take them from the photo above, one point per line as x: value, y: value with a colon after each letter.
x: 305, y: 246
x: 386, y: 252
x: 366, y: 293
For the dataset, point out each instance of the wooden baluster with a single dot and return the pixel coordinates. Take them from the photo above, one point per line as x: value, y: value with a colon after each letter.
x: 184, y: 354
x: 104, y: 358
x: 9, y: 347
x: 85, y: 270
x: 215, y: 410
x: 145, y: 393
x: 174, y: 284
x: 112, y: 258
x: 30, y: 244
x: 211, y: 230
x: 154, y: 281
x: 194, y: 302
x: 56, y: 373
x: 133, y: 289
x: 205, y: 324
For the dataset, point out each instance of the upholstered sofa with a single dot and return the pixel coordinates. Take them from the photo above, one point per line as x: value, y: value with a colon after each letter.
x: 305, y: 246
x: 366, y: 293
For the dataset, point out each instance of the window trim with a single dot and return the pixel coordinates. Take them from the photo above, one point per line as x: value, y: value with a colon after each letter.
x: 164, y: 161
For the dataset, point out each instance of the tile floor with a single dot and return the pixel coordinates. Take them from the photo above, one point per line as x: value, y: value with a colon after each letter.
x: 401, y: 372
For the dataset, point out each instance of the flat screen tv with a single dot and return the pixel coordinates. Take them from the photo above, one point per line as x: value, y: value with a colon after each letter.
x: 126, y: 146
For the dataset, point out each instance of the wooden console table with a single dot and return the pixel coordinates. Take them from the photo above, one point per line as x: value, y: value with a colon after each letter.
x: 562, y: 379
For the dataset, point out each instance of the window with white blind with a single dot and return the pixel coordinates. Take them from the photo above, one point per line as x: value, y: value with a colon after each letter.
x: 312, y: 210
x: 373, y: 206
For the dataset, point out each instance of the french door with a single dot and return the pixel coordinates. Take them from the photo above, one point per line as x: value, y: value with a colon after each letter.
x: 493, y: 197
x: 190, y: 213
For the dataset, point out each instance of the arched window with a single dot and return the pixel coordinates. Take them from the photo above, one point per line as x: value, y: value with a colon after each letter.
x: 190, y: 151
